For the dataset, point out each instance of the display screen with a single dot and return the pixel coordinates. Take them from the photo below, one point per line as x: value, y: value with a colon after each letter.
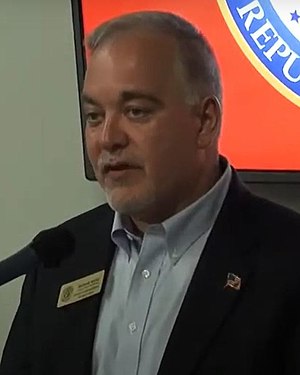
x: 257, y: 45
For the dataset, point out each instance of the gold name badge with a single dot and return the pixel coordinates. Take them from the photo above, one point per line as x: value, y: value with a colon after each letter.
x: 80, y: 289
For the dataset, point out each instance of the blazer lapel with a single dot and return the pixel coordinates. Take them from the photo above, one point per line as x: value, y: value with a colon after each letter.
x: 94, y: 252
x: 208, y: 301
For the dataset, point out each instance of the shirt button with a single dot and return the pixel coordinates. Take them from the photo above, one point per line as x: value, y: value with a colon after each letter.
x: 146, y: 274
x: 174, y: 255
x: 132, y: 327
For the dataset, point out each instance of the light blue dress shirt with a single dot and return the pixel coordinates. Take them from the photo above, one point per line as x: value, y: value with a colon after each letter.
x: 147, y: 283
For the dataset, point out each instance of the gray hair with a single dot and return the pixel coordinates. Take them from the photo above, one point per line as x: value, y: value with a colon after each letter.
x: 197, y: 60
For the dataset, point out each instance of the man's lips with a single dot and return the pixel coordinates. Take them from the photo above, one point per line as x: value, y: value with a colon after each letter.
x: 118, y: 167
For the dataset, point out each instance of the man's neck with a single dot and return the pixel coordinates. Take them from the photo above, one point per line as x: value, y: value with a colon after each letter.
x: 142, y: 222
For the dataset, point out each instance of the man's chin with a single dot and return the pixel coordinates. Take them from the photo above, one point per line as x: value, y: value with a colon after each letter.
x: 124, y: 208
x: 128, y: 206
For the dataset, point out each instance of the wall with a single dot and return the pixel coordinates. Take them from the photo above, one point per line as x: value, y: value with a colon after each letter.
x: 41, y: 166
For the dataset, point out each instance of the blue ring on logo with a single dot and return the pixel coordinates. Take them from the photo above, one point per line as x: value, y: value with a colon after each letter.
x: 276, y: 65
x: 283, y: 31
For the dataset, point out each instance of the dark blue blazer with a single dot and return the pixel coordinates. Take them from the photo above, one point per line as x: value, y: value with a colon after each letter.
x: 219, y: 331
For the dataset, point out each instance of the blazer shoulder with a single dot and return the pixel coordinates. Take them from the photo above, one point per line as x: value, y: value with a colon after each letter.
x: 275, y: 211
x: 101, y: 214
x: 274, y: 219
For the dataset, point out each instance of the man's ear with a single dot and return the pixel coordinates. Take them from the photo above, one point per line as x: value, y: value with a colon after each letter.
x: 208, y: 113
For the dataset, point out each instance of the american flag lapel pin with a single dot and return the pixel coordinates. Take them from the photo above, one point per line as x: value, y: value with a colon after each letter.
x: 233, y: 281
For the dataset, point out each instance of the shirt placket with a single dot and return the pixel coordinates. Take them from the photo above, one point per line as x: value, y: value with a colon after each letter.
x: 139, y: 299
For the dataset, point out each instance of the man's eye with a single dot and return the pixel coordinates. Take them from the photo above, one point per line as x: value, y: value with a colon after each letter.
x: 93, y: 117
x: 137, y: 113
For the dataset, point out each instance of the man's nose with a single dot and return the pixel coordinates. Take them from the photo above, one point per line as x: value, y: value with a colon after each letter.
x: 112, y: 134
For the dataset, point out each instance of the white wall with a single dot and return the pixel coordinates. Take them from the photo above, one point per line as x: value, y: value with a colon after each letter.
x: 41, y: 169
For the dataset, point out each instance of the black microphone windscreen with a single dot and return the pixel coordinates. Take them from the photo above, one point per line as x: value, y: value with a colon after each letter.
x: 53, y: 245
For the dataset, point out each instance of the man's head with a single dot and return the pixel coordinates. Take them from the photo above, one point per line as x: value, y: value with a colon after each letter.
x: 152, y: 98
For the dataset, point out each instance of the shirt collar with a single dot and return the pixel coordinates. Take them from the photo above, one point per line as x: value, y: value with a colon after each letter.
x: 185, y: 227
x: 122, y: 233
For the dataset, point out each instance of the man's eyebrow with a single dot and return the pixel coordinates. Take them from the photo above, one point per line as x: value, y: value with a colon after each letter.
x: 125, y: 96
x: 86, y: 99
x: 135, y: 94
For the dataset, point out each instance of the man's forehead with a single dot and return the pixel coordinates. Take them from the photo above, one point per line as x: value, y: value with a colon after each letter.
x: 138, y: 43
x: 139, y: 62
x: 133, y: 57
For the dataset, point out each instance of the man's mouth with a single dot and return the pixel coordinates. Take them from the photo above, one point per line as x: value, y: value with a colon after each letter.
x: 117, y: 167
x: 117, y: 170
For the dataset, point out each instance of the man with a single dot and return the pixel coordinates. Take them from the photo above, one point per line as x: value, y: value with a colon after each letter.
x: 201, y: 277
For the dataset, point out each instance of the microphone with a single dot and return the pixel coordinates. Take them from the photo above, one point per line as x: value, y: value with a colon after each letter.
x: 49, y: 248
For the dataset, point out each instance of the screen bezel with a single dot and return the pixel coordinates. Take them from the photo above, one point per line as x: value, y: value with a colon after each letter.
x: 252, y: 176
